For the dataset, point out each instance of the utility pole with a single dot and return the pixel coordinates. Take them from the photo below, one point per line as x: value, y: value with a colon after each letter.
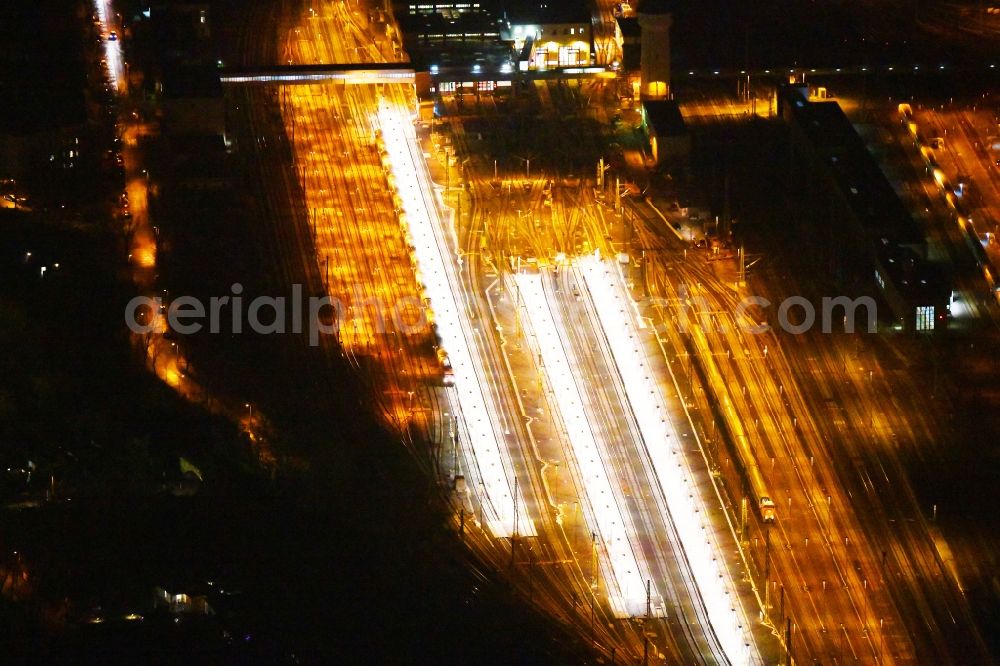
x: 746, y: 59
x: 593, y: 640
x: 726, y: 210
x: 531, y: 579
x: 593, y: 558
x: 645, y: 283
x: 645, y: 635
x: 788, y: 641
x: 767, y: 555
x: 454, y: 442
x: 513, y: 536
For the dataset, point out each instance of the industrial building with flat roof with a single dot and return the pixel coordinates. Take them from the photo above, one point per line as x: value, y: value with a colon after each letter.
x: 495, y: 36
x: 668, y: 135
x: 863, y: 232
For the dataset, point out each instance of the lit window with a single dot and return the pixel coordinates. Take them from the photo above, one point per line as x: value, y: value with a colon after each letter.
x: 925, y: 317
x: 569, y: 56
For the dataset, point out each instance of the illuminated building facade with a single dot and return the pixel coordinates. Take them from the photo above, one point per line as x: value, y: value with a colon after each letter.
x: 547, y: 37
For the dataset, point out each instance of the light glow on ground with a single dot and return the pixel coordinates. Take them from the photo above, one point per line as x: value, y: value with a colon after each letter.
x: 112, y: 49
x: 494, y: 469
x: 619, y: 321
x: 625, y: 582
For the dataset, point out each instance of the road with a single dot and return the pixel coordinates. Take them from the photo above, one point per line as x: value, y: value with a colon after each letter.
x: 952, y: 239
x: 111, y: 23
x: 961, y: 20
x: 969, y: 161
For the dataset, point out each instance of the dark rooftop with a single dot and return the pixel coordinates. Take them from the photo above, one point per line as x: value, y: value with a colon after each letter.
x: 192, y: 5
x: 841, y: 149
x: 918, y: 281
x: 188, y: 81
x: 540, y: 12
x: 41, y: 68
x: 629, y: 27
x: 175, y: 33
x: 199, y: 156
x: 449, y: 29
x: 664, y: 116
x: 656, y: 7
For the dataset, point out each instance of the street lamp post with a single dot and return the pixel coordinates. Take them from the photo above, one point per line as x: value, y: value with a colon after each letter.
x: 881, y: 639
x: 527, y: 166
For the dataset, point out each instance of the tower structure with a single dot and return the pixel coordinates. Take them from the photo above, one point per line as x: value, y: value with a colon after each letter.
x: 655, y: 20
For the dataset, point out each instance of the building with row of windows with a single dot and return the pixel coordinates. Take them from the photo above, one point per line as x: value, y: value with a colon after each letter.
x: 550, y: 36
x: 862, y: 234
x: 496, y: 36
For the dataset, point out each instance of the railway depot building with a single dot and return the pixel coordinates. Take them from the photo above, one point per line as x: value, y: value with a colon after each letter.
x: 494, y: 36
x: 861, y: 234
x: 549, y: 36
x: 669, y: 140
